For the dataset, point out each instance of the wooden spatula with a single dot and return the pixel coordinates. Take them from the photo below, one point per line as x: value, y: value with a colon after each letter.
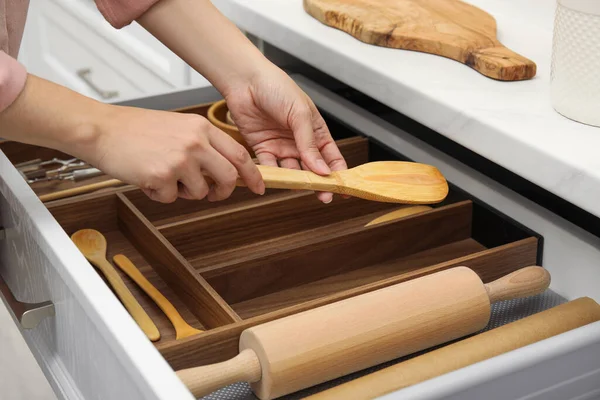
x: 93, y: 246
x: 384, y: 181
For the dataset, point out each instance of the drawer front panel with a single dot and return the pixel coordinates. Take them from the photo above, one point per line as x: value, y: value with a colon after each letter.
x: 83, y: 352
x: 69, y: 343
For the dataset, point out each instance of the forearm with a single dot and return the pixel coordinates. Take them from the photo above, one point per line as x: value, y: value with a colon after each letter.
x: 50, y: 115
x: 211, y: 44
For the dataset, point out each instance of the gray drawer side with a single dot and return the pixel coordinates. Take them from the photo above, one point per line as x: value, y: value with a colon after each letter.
x: 91, y: 348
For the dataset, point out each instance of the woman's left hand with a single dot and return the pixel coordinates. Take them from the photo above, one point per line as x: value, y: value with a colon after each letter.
x: 283, y: 126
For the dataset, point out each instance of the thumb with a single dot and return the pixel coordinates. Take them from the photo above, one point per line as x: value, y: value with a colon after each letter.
x: 301, y: 124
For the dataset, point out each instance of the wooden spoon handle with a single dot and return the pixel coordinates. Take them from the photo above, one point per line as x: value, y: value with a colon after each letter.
x: 524, y: 282
x: 61, y: 194
x: 201, y: 381
x: 501, y: 63
x: 399, y: 213
x: 130, y: 303
x: 286, y: 178
x: 182, y: 328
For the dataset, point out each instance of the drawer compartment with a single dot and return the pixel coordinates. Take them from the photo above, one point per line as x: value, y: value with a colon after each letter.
x: 128, y: 233
x: 250, y: 259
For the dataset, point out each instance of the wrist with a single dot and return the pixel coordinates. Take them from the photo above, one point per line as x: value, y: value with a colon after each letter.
x: 86, y: 133
x: 259, y: 76
x: 49, y: 115
x: 210, y: 43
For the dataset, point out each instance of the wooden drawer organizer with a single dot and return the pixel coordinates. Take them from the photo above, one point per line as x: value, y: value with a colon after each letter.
x: 250, y: 259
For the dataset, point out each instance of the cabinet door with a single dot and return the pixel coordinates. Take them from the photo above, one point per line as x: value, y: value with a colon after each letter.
x: 69, y: 42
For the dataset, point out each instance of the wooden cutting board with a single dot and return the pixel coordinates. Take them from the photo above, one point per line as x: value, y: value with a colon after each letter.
x: 449, y: 28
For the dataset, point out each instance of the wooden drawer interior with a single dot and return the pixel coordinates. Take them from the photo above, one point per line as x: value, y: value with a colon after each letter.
x: 250, y: 259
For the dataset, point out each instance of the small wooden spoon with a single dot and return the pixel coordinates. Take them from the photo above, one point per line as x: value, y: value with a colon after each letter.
x: 93, y: 246
x: 182, y: 328
x: 384, y: 181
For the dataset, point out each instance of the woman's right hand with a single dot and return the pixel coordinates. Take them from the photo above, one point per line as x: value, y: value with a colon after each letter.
x: 168, y: 154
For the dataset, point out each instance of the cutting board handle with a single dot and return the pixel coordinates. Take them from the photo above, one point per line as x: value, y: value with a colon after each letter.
x: 501, y: 63
x: 524, y: 282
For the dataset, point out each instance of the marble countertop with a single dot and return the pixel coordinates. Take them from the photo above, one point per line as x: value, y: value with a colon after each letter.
x: 510, y: 123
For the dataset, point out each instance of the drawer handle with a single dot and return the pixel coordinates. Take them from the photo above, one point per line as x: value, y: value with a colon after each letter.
x: 29, y: 315
x: 85, y: 73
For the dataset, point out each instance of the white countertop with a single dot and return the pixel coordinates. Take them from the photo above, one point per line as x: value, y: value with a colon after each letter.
x: 510, y: 123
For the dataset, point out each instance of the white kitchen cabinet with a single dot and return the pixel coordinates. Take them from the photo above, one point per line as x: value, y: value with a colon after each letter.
x: 70, y: 42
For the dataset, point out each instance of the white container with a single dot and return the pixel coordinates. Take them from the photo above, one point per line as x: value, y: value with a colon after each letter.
x: 575, y: 69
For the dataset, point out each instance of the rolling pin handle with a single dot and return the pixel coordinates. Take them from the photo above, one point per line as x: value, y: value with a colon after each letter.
x: 524, y: 282
x: 203, y: 380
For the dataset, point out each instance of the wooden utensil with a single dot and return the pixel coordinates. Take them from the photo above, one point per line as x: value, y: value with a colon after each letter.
x: 384, y: 181
x: 449, y: 28
x: 512, y: 336
x: 93, y: 246
x: 61, y: 194
x: 182, y: 328
x: 399, y: 213
x: 305, y: 349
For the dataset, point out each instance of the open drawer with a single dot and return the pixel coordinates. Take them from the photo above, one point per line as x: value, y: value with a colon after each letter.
x: 228, y: 266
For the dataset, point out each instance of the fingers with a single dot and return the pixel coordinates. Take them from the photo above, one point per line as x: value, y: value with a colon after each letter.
x: 290, y: 163
x: 192, y: 185
x: 334, y: 158
x: 302, y: 126
x: 316, y: 146
x: 325, y: 197
x: 240, y: 162
x: 267, y: 159
x: 165, y: 192
x: 332, y: 155
x: 222, y: 173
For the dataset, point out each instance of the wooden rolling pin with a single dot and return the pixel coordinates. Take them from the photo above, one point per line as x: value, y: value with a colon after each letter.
x: 308, y: 348
x: 534, y: 328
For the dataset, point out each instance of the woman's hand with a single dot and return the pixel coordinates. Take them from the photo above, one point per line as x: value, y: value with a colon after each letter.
x: 276, y: 118
x: 169, y: 154
x: 283, y: 126
x: 166, y: 154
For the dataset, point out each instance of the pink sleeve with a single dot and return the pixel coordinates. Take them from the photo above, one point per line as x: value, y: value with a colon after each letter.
x: 120, y: 13
x: 12, y: 80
